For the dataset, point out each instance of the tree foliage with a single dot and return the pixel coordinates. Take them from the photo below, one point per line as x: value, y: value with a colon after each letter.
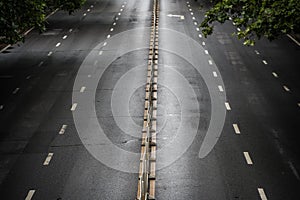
x: 255, y: 18
x: 18, y: 16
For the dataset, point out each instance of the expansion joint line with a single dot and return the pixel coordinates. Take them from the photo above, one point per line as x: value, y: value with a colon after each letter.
x: 146, y: 182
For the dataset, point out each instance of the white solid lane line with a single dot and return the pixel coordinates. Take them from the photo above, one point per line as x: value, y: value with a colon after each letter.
x: 73, y: 108
x: 30, y: 194
x: 82, y: 89
x: 256, y: 52
x: 123, y: 6
x: 58, y: 44
x: 275, y: 75
x: 16, y: 91
x: 65, y: 37
x: 227, y: 105
x: 100, y: 53
x: 121, y: 10
x: 236, y: 129
x: 206, y: 52
x: 89, y: 76
x: 298, y: 104
x: 220, y: 88
x: 190, y: 10
x: 262, y: 194
x: 238, y: 29
x: 215, y: 74
x: 286, y: 88
x: 210, y: 62
x: 192, y: 13
x: 117, y: 18
x: 119, y: 14
x: 265, y: 62
x: 63, y: 129
x: 193, y: 18
x: 248, y: 158
x: 50, y: 53
x: 92, y: 6
x: 48, y: 159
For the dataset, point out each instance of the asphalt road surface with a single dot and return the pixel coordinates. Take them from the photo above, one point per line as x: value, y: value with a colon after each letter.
x: 72, y: 100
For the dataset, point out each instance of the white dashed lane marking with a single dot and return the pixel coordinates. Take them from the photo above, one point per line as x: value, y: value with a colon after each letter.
x: 82, y: 89
x: 89, y: 76
x: 203, y: 43
x: 63, y: 129
x: 220, y: 88
x: 41, y: 63
x: 104, y: 44
x: 121, y: 10
x: 265, y: 62
x: 65, y: 37
x: 248, y: 158
x: 100, y: 53
x: 236, y: 129
x: 58, y: 44
x: 227, y: 105
x: 1, y: 107
x: 256, y: 52
x: 206, y: 52
x: 286, y: 88
x: 30, y: 194
x: 73, y: 108
x: 28, y: 77
x: 50, y: 53
x: 48, y: 159
x: 200, y: 36
x: 197, y: 29
x: 108, y: 37
x: 117, y: 18
x: 215, y: 74
x: 262, y: 194
x: 210, y: 62
x: 16, y: 91
x: 112, y: 29
x: 275, y: 75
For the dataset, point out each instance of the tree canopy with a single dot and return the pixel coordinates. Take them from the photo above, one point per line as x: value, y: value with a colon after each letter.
x: 255, y: 18
x: 17, y: 16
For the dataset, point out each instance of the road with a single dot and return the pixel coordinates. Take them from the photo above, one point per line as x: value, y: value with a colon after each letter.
x: 72, y: 105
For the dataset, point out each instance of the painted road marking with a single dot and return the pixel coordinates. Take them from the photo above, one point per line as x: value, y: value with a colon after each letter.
x: 117, y: 18
x: 190, y: 9
x: 16, y: 91
x: 197, y: 29
x: 96, y: 62
x: 58, y: 44
x: 82, y: 89
x: 293, y: 39
x: 227, y: 105
x: 195, y: 23
x: 50, y: 53
x: 286, y: 88
x: 238, y: 29
x: 189, y: 5
x: 123, y: 6
x: 65, y: 37
x: 299, y: 104
x: 236, y: 129
x: 28, y: 77
x: 104, y: 44
x: 206, y: 52
x: 210, y: 62
x: 262, y: 194
x: 114, y: 23
x: 193, y: 18
x: 256, y: 52
x: 112, y: 29
x: 215, y: 74
x: 108, y: 37
x: 63, y: 129
x: 73, y: 108
x: 220, y: 88
x: 48, y: 159
x: 41, y: 63
x: 88, y: 10
x: 89, y: 76
x: 230, y: 18
x: 192, y: 13
x: 30, y: 194
x: 84, y: 14
x: 70, y: 30
x: 119, y: 14
x: 1, y: 107
x: 265, y: 62
x: 100, y: 53
x: 275, y: 75
x: 200, y: 36
x: 121, y: 10
x: 248, y: 158
x: 203, y: 43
